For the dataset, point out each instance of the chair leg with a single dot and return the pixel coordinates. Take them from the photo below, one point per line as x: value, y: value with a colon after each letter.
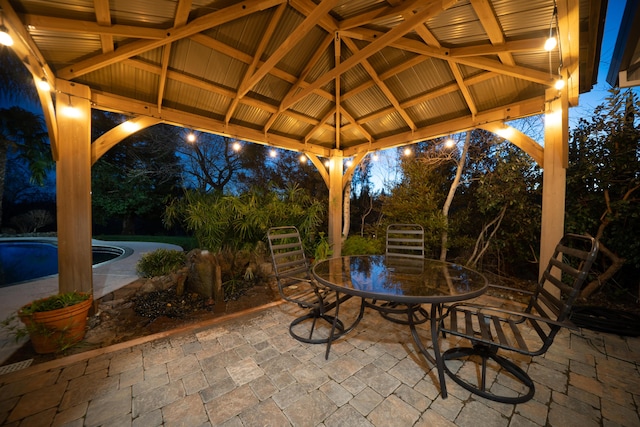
x: 314, y: 315
x: 480, y: 389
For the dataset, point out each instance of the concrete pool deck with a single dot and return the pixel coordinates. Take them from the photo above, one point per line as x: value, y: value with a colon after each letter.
x: 107, y: 277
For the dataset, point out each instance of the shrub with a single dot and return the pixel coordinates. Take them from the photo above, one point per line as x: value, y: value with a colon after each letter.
x: 161, y: 262
x: 357, y: 245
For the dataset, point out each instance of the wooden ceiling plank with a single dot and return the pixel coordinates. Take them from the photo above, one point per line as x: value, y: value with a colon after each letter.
x: 384, y: 40
x: 200, y: 24
x: 76, y: 26
x: 290, y: 42
x: 381, y: 85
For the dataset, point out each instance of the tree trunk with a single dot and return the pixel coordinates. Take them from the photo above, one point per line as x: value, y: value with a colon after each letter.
x: 346, y: 209
x: 452, y: 191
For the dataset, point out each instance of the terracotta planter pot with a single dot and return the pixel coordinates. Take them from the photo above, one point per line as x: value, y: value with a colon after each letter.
x: 55, y: 330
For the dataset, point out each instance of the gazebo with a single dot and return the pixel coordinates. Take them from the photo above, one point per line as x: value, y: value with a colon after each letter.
x: 332, y: 79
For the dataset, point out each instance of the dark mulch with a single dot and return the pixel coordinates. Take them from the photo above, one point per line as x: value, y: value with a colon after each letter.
x: 125, y: 315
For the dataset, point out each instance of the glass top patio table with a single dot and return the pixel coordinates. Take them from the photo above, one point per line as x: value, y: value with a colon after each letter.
x: 406, y: 281
x: 394, y: 279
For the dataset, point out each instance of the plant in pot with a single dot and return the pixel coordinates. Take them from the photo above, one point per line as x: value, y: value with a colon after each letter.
x: 57, y: 322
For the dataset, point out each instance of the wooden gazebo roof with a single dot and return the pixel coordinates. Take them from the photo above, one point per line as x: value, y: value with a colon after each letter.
x: 314, y: 76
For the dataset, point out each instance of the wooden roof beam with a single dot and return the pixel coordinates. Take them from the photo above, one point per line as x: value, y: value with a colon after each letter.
x: 492, y: 27
x: 103, y: 17
x: 385, y: 39
x: 75, y: 26
x: 200, y: 24
x: 382, y: 86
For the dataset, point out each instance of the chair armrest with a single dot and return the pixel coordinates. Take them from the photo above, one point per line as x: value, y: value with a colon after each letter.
x: 482, y: 309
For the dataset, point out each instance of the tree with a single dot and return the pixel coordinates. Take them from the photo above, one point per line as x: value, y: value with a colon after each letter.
x: 134, y: 178
x: 211, y: 162
x: 603, y: 183
x: 24, y: 134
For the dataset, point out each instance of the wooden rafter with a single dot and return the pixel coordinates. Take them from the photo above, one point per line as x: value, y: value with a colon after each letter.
x: 385, y: 39
x: 275, y: 19
x: 291, y: 41
x: 198, y: 25
x: 103, y: 17
x: 382, y: 86
x: 492, y: 28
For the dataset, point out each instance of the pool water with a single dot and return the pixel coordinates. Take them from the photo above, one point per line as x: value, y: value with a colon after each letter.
x: 24, y: 261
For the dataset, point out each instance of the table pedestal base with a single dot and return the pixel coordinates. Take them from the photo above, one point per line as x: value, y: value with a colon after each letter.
x: 487, y: 352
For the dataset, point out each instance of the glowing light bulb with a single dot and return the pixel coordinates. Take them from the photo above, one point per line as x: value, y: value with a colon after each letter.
x: 130, y: 126
x: 375, y: 157
x: 559, y: 84
x: 5, y: 37
x: 191, y: 137
x: 236, y: 146
x: 44, y: 85
x: 449, y: 143
x: 303, y: 158
x: 407, y: 151
x: 273, y: 153
x: 550, y: 44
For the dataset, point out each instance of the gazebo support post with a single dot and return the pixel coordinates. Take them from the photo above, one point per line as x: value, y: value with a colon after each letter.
x: 73, y: 187
x: 335, y: 202
x: 554, y: 178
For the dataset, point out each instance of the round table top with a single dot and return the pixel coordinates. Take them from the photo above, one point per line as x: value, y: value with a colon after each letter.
x: 399, y: 279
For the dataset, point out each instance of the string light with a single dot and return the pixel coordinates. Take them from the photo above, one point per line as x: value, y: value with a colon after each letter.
x: 449, y: 143
x: 130, y: 126
x: 303, y: 158
x: 5, y: 37
x: 375, y: 157
x: 407, y: 151
x: 44, y: 85
x: 327, y: 163
x: 71, y: 111
x: 559, y: 84
x: 236, y: 146
x: 273, y: 153
x: 349, y: 162
x: 552, y: 41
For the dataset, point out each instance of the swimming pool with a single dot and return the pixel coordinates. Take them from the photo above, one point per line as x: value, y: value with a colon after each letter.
x: 22, y: 260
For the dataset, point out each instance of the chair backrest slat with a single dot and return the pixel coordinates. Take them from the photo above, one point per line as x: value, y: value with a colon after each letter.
x: 287, y: 253
x: 405, y: 240
x: 564, y: 276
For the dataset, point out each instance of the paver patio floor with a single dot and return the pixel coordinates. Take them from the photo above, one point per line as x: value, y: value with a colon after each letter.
x: 248, y: 371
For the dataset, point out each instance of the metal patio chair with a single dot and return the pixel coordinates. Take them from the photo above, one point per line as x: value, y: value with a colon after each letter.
x: 530, y: 331
x: 404, y: 250
x: 296, y: 285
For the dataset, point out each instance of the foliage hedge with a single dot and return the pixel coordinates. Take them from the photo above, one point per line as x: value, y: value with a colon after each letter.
x: 161, y: 262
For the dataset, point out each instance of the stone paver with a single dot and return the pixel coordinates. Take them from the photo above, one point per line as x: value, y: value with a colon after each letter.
x: 250, y: 372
